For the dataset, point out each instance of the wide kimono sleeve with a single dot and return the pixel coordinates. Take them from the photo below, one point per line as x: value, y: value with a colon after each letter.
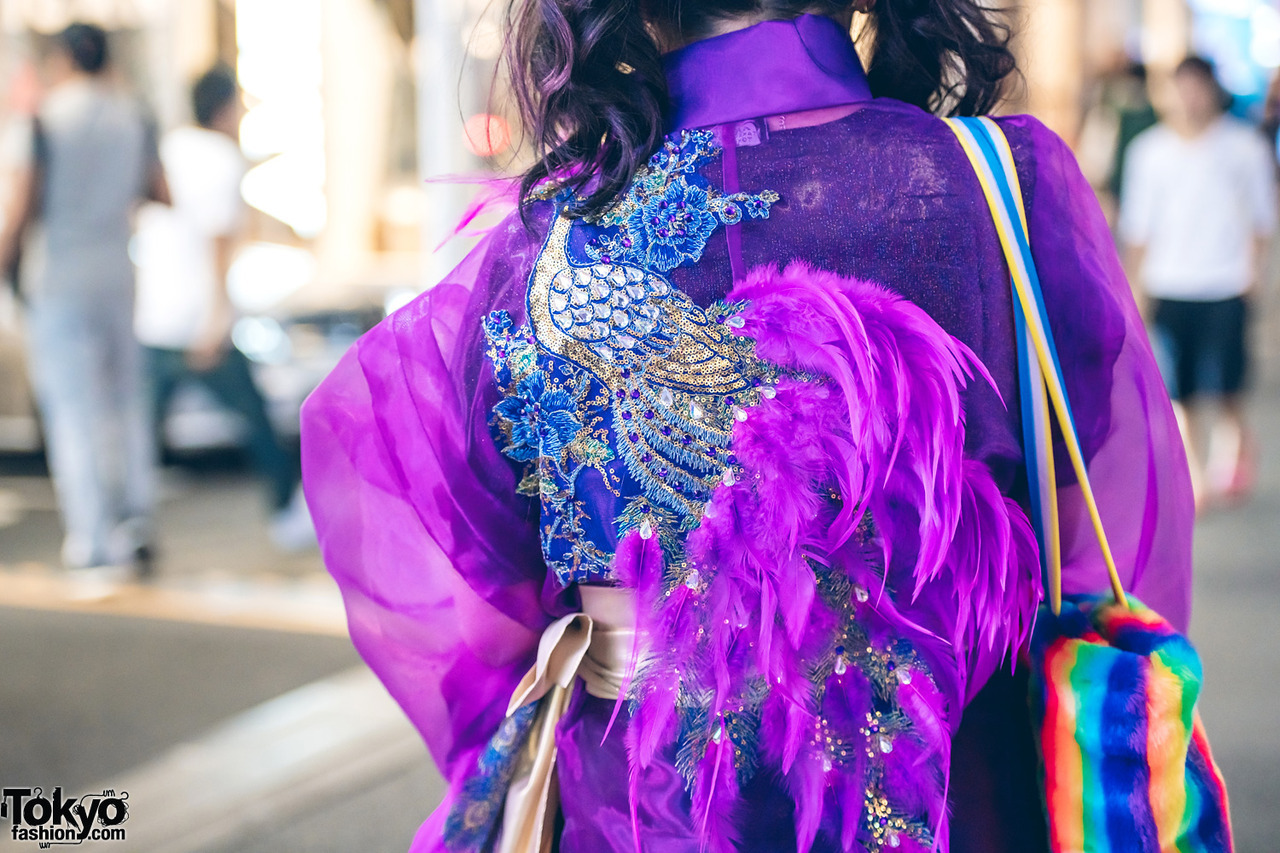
x: 1136, y: 460
x: 418, y: 517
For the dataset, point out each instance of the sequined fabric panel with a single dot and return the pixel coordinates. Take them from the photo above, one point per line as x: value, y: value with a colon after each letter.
x: 620, y: 393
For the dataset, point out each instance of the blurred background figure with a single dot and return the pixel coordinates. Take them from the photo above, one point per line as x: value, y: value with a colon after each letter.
x: 1121, y: 111
x: 184, y: 312
x: 89, y: 159
x: 1131, y: 101
x: 1198, y: 214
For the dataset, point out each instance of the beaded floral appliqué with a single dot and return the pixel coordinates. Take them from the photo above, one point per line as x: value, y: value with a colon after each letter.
x: 669, y: 212
x: 885, y: 824
x: 621, y: 394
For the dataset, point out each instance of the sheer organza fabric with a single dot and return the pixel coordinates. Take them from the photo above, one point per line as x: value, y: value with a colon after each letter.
x: 439, y: 559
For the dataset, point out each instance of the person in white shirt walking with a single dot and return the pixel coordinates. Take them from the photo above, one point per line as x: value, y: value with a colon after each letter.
x: 1198, y: 211
x: 184, y: 314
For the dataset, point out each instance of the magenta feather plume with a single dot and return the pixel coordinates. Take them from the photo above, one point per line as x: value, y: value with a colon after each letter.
x: 866, y: 422
x: 716, y: 798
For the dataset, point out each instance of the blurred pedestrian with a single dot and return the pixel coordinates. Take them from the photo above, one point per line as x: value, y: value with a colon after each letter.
x: 1121, y: 110
x: 90, y: 160
x: 1199, y: 211
x: 185, y: 314
x: 21, y: 100
x: 1134, y: 114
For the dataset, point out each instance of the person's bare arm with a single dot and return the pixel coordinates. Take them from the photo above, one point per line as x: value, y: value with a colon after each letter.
x: 1135, y: 257
x: 1263, y: 244
x: 18, y: 215
x: 211, y: 348
x: 1265, y: 201
x: 158, y: 186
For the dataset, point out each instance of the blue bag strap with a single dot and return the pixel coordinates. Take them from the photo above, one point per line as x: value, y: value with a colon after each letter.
x: 1041, y: 380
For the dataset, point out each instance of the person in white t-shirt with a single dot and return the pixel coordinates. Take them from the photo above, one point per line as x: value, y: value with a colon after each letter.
x: 1198, y: 212
x: 184, y: 315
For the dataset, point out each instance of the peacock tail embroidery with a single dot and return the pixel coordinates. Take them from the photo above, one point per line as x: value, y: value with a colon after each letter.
x: 618, y: 373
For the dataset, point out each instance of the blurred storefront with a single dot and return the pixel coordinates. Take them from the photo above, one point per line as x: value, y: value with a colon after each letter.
x: 333, y: 92
x: 1069, y: 45
x: 356, y: 108
x: 330, y: 130
x: 1243, y: 38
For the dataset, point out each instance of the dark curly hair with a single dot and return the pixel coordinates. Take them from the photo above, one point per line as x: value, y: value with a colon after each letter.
x: 588, y: 79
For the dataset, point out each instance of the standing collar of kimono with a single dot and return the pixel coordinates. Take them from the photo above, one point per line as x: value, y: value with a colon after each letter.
x: 772, y: 68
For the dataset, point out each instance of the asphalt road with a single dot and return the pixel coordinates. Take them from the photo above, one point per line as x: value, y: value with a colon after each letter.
x: 1236, y: 627
x: 84, y: 696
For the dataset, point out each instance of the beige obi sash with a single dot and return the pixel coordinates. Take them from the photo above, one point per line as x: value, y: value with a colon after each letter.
x: 596, y: 646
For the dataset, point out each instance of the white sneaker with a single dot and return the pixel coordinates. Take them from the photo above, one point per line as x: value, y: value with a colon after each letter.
x: 96, y: 583
x: 291, y: 529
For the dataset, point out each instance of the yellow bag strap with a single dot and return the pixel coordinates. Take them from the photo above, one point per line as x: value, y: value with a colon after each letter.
x: 992, y: 158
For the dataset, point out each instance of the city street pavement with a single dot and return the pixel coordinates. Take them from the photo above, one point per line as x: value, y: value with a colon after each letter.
x: 1236, y: 626
x: 227, y: 700
x: 224, y: 696
x: 1236, y: 619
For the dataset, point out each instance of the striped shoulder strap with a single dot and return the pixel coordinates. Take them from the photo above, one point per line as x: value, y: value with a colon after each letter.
x: 1040, y: 374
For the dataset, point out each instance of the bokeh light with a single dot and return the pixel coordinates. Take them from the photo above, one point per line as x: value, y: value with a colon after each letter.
x: 487, y: 135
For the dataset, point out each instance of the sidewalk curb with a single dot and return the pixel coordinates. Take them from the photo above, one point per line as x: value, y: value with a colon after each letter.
x: 293, y: 753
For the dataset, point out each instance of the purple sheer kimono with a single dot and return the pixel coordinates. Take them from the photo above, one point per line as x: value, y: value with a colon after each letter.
x: 464, y: 482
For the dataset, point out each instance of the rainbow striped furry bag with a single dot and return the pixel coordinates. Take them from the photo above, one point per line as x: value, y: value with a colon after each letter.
x: 1127, y: 766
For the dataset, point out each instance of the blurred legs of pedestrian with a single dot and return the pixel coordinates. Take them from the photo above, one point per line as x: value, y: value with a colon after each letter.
x: 87, y: 371
x: 231, y: 382
x: 1203, y: 354
x: 1231, y: 464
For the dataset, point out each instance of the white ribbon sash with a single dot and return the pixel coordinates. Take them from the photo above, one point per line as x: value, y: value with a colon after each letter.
x: 596, y: 646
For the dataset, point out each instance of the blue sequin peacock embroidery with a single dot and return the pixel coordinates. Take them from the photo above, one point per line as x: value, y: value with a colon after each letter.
x: 620, y: 394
